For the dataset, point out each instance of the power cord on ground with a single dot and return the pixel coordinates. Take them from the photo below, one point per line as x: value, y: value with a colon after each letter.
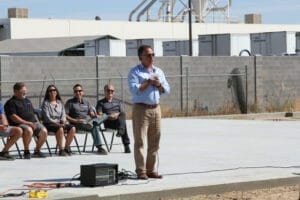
x: 125, y: 174
x: 13, y: 194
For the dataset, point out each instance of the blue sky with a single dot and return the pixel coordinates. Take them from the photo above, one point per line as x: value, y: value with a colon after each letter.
x: 273, y: 11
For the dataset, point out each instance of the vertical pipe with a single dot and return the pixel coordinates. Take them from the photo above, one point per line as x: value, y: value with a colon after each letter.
x: 246, y: 98
x: 255, y: 89
x: 0, y: 78
x: 228, y: 12
x: 200, y: 12
x: 187, y: 91
x: 97, y: 78
x: 181, y: 84
x: 190, y: 29
x: 122, y: 88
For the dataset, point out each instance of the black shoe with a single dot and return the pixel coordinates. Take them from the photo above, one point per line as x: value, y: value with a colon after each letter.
x: 38, y: 154
x: 62, y: 153
x: 4, y: 155
x: 120, y: 132
x: 101, y: 151
x: 127, y: 149
x: 68, y: 151
x: 26, y: 155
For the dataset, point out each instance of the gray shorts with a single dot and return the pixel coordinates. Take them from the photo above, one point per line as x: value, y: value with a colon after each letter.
x: 6, y: 133
x: 37, y: 129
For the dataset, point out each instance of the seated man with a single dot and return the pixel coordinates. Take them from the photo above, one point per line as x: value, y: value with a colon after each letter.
x: 83, y: 117
x: 11, y: 132
x: 20, y: 112
x: 116, y: 115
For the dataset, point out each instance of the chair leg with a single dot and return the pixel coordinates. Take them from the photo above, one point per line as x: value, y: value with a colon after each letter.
x: 85, y: 140
x: 112, y: 140
x: 103, y: 136
x: 47, y: 144
x: 49, y: 149
x: 56, y: 147
x: 93, y: 147
x: 78, y: 148
x: 18, y: 149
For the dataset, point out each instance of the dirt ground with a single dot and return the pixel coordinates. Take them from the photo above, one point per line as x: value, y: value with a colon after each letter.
x: 276, y: 193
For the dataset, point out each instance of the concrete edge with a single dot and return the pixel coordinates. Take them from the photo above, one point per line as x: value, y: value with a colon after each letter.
x: 251, y: 116
x: 193, y: 191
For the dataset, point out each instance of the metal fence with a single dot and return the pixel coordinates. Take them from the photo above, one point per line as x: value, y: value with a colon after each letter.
x: 190, y: 93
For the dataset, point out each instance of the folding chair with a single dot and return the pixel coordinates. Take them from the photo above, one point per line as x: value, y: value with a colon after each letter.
x: 75, y: 140
x: 93, y: 146
x: 17, y: 146
x: 38, y: 113
x: 39, y: 117
x: 114, y: 132
x: 100, y: 128
x: 103, y: 131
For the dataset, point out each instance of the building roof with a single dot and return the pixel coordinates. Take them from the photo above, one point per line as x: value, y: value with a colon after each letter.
x: 20, y: 28
x: 45, y: 45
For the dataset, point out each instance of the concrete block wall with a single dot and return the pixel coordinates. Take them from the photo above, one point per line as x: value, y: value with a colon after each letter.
x: 209, y: 90
x: 115, y: 69
x: 276, y: 79
x: 278, y: 82
x: 39, y: 72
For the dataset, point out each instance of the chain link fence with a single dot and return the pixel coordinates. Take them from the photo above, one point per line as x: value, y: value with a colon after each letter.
x: 191, y: 94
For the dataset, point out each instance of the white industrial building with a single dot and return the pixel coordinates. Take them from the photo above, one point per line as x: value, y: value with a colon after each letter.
x: 21, y: 28
x: 172, y: 26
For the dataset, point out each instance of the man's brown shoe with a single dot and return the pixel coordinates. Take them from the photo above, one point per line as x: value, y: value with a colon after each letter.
x: 142, y: 176
x: 154, y: 175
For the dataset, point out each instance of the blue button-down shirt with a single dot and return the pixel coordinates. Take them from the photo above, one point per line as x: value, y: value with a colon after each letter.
x: 151, y: 94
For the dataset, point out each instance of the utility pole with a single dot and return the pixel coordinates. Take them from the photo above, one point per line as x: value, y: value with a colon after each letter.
x: 190, y: 28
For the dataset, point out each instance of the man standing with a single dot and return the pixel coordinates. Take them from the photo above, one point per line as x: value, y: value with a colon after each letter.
x: 79, y: 112
x: 116, y: 115
x: 146, y: 83
x: 20, y: 112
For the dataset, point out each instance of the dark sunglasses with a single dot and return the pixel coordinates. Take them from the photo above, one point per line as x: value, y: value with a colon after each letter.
x: 52, y: 90
x: 112, y: 91
x: 75, y: 91
x: 149, y: 55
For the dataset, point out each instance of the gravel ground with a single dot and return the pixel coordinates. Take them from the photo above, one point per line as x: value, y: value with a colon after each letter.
x: 276, y: 193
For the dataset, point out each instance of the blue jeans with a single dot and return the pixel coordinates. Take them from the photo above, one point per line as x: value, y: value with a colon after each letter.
x: 92, y: 125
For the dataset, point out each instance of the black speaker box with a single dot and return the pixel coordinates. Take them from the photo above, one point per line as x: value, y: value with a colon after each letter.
x: 99, y: 174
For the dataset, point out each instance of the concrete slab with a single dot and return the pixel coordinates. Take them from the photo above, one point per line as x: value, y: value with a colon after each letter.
x: 194, y: 153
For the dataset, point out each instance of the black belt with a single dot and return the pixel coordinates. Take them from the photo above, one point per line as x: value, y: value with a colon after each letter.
x: 147, y: 105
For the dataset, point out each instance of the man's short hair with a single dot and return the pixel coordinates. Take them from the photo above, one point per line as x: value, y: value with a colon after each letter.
x: 18, y: 86
x: 107, y: 85
x: 77, y: 85
x: 142, y: 48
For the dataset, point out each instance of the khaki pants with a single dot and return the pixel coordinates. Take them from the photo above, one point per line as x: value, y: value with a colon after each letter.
x: 146, y: 125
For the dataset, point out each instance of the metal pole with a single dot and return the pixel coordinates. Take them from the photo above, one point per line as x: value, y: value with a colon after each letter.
x: 0, y: 79
x: 187, y: 91
x: 246, y: 72
x: 255, y: 89
x: 122, y: 88
x: 190, y: 28
x: 97, y: 78
x: 181, y: 84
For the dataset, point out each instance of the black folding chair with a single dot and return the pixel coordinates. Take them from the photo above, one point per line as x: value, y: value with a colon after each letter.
x: 39, y: 116
x: 17, y: 146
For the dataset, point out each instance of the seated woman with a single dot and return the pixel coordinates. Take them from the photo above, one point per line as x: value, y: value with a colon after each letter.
x: 54, y: 119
